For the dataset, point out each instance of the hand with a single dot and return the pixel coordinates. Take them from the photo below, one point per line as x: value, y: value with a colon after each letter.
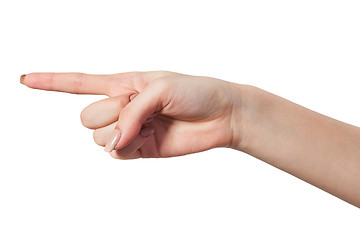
x: 172, y: 114
x: 164, y: 114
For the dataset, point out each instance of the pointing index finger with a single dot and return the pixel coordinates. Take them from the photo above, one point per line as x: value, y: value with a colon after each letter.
x: 78, y: 83
x: 81, y: 83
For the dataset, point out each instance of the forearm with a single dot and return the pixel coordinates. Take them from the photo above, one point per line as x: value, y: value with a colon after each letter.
x: 318, y: 149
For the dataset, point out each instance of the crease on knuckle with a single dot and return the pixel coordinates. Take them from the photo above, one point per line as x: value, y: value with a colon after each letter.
x: 51, y: 81
x: 78, y: 82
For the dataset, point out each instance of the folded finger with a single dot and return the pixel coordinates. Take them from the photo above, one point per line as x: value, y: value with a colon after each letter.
x: 102, y: 135
x: 131, y: 151
x: 104, y: 112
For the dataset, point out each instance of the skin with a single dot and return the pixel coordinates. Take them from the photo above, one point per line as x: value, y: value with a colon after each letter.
x: 165, y: 114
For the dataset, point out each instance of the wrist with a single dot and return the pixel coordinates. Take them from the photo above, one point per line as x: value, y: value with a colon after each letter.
x: 243, y: 100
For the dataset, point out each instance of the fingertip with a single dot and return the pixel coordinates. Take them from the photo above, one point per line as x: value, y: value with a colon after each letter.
x: 113, y: 141
x: 114, y: 155
x: 22, y: 79
x: 145, y: 132
x: 37, y: 80
x: 129, y: 130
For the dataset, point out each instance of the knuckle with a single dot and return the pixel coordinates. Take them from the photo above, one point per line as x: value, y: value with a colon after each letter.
x: 136, y: 76
x: 78, y: 81
x: 161, y: 84
x: 164, y: 73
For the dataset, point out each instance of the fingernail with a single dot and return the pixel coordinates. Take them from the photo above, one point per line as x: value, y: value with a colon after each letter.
x: 110, y: 145
x: 133, y: 96
x: 148, y: 120
x: 147, y: 131
x: 22, y: 78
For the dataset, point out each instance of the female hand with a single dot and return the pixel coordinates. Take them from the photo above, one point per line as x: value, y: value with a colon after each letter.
x: 193, y: 114
x: 170, y: 114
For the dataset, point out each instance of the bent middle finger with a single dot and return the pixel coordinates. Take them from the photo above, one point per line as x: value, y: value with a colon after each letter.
x: 104, y: 112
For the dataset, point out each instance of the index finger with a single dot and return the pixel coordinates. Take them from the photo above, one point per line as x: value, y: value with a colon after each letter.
x: 81, y: 83
x: 78, y: 83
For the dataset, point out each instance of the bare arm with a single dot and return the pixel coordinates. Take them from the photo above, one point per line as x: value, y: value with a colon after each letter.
x: 175, y: 114
x: 318, y: 149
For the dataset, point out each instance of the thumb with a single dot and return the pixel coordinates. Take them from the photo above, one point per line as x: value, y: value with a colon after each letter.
x: 134, y: 114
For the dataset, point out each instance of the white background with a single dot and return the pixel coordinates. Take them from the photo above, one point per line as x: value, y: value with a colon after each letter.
x: 56, y: 183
